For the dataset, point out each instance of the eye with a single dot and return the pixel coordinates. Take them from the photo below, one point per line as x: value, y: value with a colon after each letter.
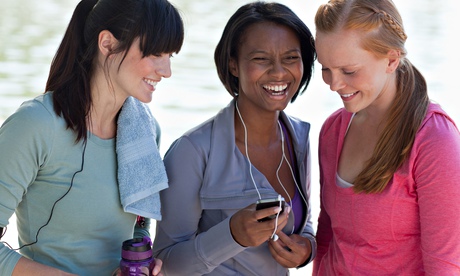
x: 259, y: 58
x: 294, y: 57
x: 170, y: 55
x: 347, y: 72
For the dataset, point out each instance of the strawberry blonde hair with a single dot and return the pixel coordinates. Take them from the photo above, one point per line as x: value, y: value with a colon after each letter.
x: 381, y: 25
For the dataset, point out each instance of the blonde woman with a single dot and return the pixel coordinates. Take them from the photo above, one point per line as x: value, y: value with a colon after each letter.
x: 390, y: 159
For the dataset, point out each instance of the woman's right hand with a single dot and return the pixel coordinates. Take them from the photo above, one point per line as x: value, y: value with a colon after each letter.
x: 248, y: 231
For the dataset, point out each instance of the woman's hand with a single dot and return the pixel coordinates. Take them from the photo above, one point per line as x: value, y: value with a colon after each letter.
x: 156, y: 269
x: 248, y: 231
x: 290, y: 251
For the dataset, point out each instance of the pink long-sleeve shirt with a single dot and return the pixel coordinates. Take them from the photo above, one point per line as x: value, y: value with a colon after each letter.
x: 412, y: 227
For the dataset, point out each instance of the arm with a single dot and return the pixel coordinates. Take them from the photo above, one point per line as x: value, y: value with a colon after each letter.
x: 27, y: 267
x: 437, y: 176
x: 23, y: 151
x: 12, y: 263
x: 323, y: 237
x: 308, y: 231
x: 177, y: 239
x: 324, y: 231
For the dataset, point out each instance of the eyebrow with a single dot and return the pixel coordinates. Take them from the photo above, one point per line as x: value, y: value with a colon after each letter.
x: 340, y: 66
x: 264, y: 52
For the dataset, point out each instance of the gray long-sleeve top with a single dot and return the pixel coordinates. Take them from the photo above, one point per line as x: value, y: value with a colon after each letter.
x: 209, y: 181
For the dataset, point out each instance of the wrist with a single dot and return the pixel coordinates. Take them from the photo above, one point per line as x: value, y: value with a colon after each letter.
x: 313, y: 244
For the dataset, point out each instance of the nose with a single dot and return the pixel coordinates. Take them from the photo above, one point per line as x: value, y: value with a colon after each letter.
x: 164, y: 66
x: 278, y: 69
x: 334, y: 81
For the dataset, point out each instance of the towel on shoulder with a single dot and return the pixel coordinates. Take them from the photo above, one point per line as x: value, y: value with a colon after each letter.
x: 141, y: 172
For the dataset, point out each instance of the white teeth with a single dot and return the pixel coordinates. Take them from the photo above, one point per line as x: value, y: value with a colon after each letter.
x: 276, y: 88
x: 348, y: 95
x: 152, y: 83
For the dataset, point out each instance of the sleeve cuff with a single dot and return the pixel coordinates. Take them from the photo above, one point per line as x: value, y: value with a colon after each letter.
x: 312, y: 240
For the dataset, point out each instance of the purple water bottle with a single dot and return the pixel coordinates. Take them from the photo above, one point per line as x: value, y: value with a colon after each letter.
x: 136, y: 257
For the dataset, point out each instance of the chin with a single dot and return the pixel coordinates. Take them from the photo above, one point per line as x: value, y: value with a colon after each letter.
x: 145, y: 98
x: 351, y: 109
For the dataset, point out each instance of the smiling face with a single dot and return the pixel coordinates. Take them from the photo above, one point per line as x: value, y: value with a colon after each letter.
x: 269, y: 66
x: 137, y: 75
x: 360, y: 78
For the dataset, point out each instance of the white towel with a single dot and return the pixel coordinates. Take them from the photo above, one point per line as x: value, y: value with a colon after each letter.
x: 141, y: 172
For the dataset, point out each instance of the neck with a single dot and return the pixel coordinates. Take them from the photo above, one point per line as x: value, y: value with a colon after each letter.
x: 260, y: 130
x: 105, y: 105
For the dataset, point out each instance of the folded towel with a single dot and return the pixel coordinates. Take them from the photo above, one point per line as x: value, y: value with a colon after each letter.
x: 141, y: 172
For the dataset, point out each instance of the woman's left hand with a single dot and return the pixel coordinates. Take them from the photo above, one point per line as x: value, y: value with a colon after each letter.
x: 157, y: 269
x: 290, y: 251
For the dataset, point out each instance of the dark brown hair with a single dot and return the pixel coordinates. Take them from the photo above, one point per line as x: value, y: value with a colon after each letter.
x: 156, y: 22
x: 257, y: 12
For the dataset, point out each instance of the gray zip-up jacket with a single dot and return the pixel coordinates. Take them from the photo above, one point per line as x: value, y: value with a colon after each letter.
x: 209, y: 181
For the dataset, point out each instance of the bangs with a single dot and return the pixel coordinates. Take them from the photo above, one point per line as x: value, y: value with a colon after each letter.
x: 161, y: 32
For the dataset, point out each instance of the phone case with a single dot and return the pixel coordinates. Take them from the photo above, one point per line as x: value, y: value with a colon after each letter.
x: 270, y: 202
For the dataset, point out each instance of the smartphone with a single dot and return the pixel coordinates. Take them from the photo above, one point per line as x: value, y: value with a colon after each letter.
x: 270, y: 202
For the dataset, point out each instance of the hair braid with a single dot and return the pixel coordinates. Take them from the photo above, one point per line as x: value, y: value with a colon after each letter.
x: 396, y: 26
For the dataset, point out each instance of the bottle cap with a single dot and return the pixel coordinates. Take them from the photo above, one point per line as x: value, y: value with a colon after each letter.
x: 137, y: 249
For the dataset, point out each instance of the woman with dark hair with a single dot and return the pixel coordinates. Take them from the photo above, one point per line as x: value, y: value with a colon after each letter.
x: 60, y: 161
x: 390, y: 159
x: 251, y: 150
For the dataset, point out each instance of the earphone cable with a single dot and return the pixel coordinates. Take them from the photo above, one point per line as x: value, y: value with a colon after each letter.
x: 283, y: 158
x: 246, y: 148
x: 54, y: 204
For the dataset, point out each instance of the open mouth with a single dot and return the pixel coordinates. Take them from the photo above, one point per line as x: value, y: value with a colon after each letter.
x: 348, y: 95
x: 276, y: 90
x: 152, y: 83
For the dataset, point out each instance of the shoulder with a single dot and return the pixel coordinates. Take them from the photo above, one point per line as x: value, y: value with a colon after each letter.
x: 215, y: 133
x: 195, y: 140
x: 31, y: 132
x: 297, y: 123
x: 34, y: 115
x: 299, y: 129
x: 437, y: 117
x: 438, y: 134
x: 337, y: 116
x: 336, y: 120
x: 437, y: 124
x: 216, y: 128
x: 199, y: 135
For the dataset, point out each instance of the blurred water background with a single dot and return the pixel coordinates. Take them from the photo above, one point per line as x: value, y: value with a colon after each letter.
x: 30, y: 32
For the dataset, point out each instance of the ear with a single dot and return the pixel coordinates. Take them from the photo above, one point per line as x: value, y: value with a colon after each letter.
x: 233, y: 67
x: 106, y: 42
x: 394, y: 57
